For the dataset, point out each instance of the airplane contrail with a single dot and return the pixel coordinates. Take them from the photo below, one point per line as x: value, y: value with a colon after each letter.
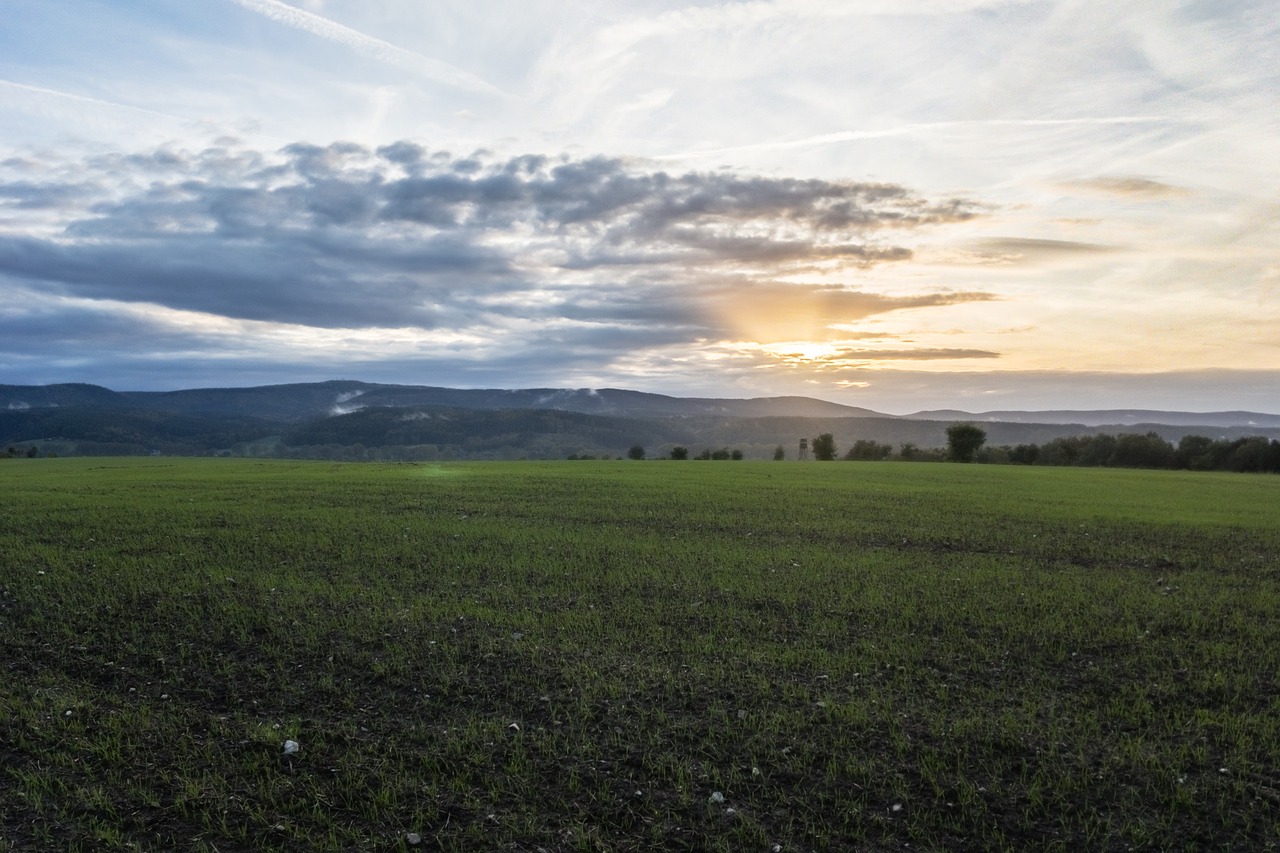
x: 854, y: 135
x: 84, y: 99
x: 376, y: 48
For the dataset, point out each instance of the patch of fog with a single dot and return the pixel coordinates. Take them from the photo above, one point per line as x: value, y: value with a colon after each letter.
x: 547, y: 398
x: 566, y: 394
x: 339, y: 405
x: 416, y: 416
x: 18, y: 405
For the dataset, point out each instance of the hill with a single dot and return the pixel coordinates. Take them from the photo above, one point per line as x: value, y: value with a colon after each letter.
x: 304, y: 401
x: 1107, y: 417
x: 345, y: 419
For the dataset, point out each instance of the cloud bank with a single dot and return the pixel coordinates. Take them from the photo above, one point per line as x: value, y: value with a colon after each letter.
x: 401, y: 254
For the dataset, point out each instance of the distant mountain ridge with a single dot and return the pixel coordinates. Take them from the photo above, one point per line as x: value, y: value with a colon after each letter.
x: 343, y: 419
x: 317, y: 399
x: 1105, y: 417
x: 303, y: 401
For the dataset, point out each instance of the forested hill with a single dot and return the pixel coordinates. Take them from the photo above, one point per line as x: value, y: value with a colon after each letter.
x: 306, y: 401
x: 1107, y: 417
x: 355, y: 420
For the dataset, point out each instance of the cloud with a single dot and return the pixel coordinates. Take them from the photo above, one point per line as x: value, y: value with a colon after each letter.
x: 837, y: 356
x: 855, y: 356
x: 770, y: 311
x: 343, y: 235
x: 367, y: 45
x: 35, y: 97
x: 1130, y: 187
x: 1034, y: 249
x: 916, y: 129
x: 412, y: 253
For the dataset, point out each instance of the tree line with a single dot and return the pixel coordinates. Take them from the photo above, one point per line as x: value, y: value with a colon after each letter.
x: 1130, y: 450
x: 679, y: 452
x: 967, y: 443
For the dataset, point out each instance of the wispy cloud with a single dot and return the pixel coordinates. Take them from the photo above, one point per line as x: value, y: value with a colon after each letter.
x: 1131, y: 187
x: 41, y: 93
x: 1035, y: 248
x: 925, y: 128
x: 367, y: 45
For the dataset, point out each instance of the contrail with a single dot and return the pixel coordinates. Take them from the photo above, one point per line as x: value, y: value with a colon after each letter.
x: 84, y: 99
x: 376, y: 48
x: 854, y: 135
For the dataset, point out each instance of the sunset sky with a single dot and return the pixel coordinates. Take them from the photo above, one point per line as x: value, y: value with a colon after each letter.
x: 897, y: 204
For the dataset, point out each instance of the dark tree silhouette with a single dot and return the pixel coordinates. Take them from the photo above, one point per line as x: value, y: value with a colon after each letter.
x: 964, y: 441
x: 824, y: 447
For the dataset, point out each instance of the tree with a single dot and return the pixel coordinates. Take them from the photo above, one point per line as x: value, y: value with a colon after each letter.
x: 1195, y: 452
x: 1142, y: 451
x: 868, y: 451
x: 779, y: 453
x: 963, y: 441
x: 824, y: 447
x: 636, y: 452
x: 679, y: 452
x: 1247, y: 454
x: 1096, y: 450
x: 1024, y: 454
x: 735, y: 454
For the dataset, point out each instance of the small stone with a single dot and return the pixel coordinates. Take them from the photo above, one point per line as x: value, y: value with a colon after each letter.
x: 413, y: 839
x: 291, y: 747
x: 717, y: 797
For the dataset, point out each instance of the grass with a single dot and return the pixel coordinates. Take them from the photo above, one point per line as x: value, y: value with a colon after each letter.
x: 580, y: 655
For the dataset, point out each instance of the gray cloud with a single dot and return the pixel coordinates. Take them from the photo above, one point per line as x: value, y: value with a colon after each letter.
x: 858, y: 355
x: 29, y: 195
x: 1035, y: 250
x: 607, y: 254
x: 1133, y: 187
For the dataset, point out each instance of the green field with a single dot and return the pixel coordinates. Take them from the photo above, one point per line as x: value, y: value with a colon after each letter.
x: 636, y: 656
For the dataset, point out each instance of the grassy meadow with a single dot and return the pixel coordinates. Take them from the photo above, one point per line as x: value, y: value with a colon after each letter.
x: 589, y: 656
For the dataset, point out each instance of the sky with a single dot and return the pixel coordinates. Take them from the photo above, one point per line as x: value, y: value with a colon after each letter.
x: 896, y: 204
